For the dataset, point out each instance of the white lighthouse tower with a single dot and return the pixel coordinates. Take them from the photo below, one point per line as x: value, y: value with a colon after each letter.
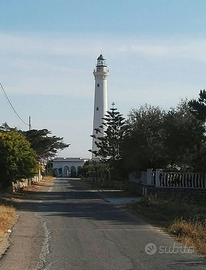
x: 100, y: 99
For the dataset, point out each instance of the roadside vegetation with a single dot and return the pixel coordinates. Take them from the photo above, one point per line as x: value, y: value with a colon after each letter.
x: 22, y: 153
x: 7, y: 203
x: 151, y: 137
x: 37, y: 186
x: 7, y: 216
x: 184, y: 219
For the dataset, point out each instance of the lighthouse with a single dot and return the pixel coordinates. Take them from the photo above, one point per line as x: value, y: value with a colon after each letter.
x: 100, y: 97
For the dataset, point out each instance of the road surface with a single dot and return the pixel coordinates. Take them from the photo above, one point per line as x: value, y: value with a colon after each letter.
x: 67, y: 227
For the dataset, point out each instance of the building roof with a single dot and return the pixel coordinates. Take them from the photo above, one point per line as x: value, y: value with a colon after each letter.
x: 62, y: 159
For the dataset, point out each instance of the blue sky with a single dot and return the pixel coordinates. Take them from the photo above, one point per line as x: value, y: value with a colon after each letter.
x: 115, y: 17
x: 155, y: 50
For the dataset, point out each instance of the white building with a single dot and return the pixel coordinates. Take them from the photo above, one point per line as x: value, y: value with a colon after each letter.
x: 68, y: 167
x: 100, y: 98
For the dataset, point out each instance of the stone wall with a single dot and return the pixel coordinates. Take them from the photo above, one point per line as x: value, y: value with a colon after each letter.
x: 194, y: 194
x: 135, y: 188
x: 25, y: 182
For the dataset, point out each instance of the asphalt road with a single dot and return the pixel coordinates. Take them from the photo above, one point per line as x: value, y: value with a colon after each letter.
x: 68, y: 227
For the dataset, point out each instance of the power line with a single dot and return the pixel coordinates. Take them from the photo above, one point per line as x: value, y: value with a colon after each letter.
x: 12, y: 106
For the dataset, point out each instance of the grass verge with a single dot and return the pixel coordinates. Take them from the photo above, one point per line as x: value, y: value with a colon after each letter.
x: 185, y: 220
x: 7, y: 216
x: 8, y: 212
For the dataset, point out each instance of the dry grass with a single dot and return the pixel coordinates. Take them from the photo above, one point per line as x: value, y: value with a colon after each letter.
x: 47, y: 180
x: 186, y: 220
x: 190, y: 233
x: 37, y: 186
x: 7, y: 217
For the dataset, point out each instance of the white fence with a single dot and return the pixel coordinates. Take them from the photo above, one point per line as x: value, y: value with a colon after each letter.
x: 163, y: 179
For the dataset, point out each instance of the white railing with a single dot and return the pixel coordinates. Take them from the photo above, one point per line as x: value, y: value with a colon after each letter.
x: 163, y: 179
x: 180, y: 180
x: 151, y: 176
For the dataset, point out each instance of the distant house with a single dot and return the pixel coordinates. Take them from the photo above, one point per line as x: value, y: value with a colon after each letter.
x: 68, y: 167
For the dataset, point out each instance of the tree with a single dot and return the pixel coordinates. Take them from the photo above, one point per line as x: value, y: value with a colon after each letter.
x: 184, y: 138
x: 198, y: 107
x: 88, y: 169
x: 110, y: 138
x: 96, y: 170
x: 17, y: 158
x: 44, y: 145
x: 168, y: 140
x: 143, y: 145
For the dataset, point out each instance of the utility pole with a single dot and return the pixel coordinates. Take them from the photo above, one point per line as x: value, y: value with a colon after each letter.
x: 29, y: 179
x: 29, y: 122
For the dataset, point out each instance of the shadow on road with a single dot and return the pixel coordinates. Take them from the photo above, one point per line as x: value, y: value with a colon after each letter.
x: 70, y: 199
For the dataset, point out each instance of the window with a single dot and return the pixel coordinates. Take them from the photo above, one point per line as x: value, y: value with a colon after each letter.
x: 97, y: 108
x: 98, y: 85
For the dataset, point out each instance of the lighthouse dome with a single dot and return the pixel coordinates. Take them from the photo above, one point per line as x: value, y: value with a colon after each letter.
x: 101, y: 57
